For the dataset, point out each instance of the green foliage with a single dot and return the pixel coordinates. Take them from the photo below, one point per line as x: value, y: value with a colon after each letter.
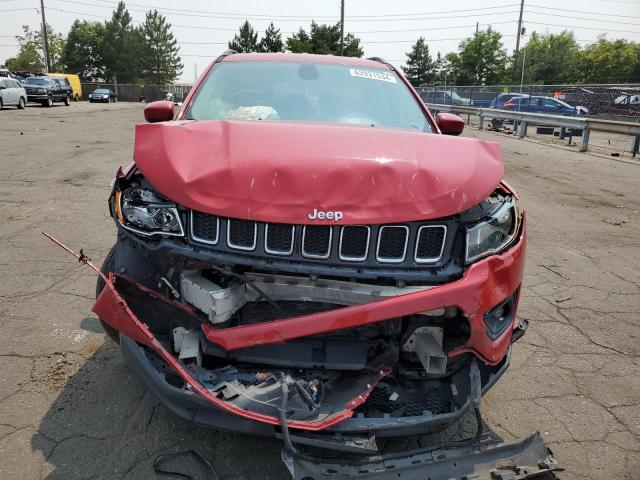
x: 420, y: 68
x: 272, y: 40
x: 160, y: 61
x: 482, y: 59
x: 548, y: 59
x: 122, y: 47
x: 31, y: 54
x: 246, y: 40
x: 324, y: 40
x: 28, y: 60
x: 83, y: 50
x: 299, y: 42
x: 610, y: 61
x: 352, y: 46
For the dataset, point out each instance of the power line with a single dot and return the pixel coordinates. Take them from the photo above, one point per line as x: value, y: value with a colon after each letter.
x: 573, y: 17
x: 554, y: 9
x: 432, y: 28
x: 18, y: 9
x: 583, y: 28
x: 304, y: 17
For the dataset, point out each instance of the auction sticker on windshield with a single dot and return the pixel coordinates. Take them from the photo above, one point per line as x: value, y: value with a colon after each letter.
x: 384, y: 76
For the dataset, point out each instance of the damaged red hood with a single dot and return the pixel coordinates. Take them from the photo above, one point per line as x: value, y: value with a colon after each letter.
x: 282, y: 172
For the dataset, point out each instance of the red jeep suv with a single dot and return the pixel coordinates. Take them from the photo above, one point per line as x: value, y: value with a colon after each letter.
x: 304, y: 251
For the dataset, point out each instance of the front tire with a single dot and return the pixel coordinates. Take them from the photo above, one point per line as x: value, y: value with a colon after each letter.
x: 67, y: 101
x: 21, y: 103
x: 48, y: 102
x: 108, y: 266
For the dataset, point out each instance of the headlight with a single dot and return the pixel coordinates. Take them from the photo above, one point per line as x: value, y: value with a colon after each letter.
x: 105, y: 96
x: 494, y: 234
x: 143, y: 212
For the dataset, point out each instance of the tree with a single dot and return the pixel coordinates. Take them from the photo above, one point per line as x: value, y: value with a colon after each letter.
x: 272, y: 40
x: 27, y: 60
x: 324, y: 40
x: 550, y: 59
x: 160, y: 61
x: 246, y: 40
x: 31, y: 54
x: 299, y: 42
x: 610, y: 61
x: 352, y: 46
x: 420, y: 68
x: 83, y: 52
x: 482, y: 59
x: 122, y: 47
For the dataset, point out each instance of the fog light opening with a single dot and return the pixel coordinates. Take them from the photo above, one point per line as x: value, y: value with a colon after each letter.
x: 500, y: 317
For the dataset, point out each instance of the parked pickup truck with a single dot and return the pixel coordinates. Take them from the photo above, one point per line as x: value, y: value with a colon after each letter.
x: 46, y: 90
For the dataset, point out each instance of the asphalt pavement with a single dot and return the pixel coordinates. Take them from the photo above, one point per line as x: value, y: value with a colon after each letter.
x: 70, y: 409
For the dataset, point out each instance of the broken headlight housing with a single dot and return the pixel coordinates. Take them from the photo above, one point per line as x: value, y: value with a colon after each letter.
x: 495, y: 233
x: 141, y: 211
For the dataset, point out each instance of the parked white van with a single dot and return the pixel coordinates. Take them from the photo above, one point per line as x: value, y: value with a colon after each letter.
x: 12, y: 93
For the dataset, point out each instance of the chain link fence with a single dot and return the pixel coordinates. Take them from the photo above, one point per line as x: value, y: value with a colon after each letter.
x: 137, y: 93
x: 608, y: 102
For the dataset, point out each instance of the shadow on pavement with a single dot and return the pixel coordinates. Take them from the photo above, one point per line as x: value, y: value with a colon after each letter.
x: 105, y: 424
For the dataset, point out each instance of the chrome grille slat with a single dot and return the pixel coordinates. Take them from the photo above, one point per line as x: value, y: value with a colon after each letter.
x: 276, y: 236
x: 392, y: 243
x: 242, y: 234
x: 354, y: 243
x: 430, y: 243
x: 204, y: 228
x: 314, y: 239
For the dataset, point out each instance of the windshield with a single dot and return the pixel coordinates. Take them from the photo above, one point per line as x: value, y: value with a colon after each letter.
x: 101, y: 90
x: 38, y: 81
x: 303, y: 91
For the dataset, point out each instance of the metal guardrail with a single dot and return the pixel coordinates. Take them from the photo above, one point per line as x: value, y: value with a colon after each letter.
x: 523, y: 119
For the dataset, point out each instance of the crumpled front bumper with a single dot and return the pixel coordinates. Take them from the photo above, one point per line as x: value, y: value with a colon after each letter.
x: 484, y: 285
x: 526, y: 458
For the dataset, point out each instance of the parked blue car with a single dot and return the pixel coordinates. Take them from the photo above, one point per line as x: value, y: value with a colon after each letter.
x: 548, y: 105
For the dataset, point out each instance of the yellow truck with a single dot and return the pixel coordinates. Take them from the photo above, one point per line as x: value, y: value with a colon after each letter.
x: 74, y: 81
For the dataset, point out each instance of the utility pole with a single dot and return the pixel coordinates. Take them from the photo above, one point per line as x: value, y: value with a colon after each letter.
x: 519, y: 28
x: 341, y: 27
x: 45, y: 37
x: 477, y: 27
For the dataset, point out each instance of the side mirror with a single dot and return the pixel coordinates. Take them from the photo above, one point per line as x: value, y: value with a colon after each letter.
x: 161, y: 111
x: 450, y: 124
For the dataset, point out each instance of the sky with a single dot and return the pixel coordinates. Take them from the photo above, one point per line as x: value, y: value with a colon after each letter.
x: 387, y: 29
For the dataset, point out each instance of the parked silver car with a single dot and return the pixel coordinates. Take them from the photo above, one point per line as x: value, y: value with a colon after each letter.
x: 12, y: 93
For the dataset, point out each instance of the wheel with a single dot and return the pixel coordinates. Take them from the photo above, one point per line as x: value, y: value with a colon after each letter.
x: 21, y: 103
x: 48, y: 102
x: 67, y: 100
x: 109, y: 265
x: 76, y: 98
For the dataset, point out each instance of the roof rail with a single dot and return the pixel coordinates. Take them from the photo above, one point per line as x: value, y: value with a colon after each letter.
x: 378, y: 59
x: 228, y: 52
